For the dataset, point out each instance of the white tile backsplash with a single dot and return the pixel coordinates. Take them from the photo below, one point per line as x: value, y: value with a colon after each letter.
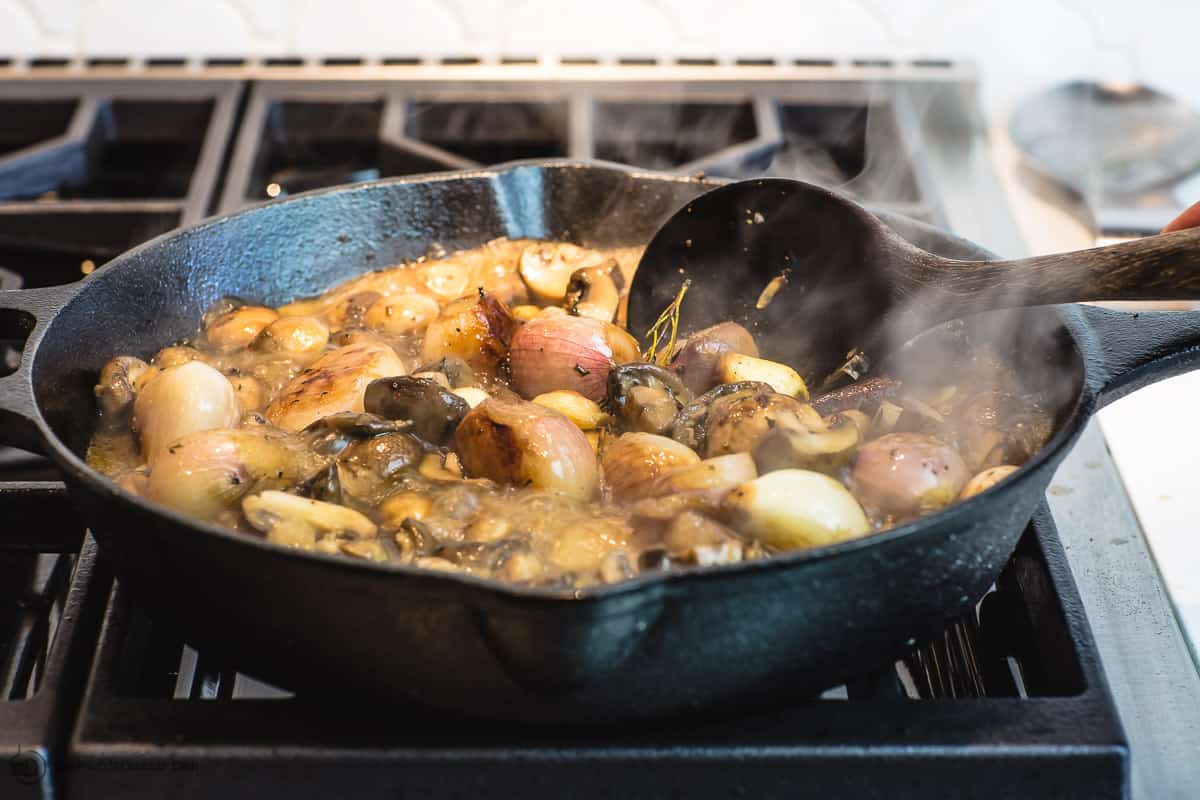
x: 1018, y: 44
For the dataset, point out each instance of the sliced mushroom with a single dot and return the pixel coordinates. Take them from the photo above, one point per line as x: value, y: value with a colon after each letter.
x: 595, y: 291
x: 433, y: 411
x: 547, y: 267
x: 297, y: 521
x: 826, y: 449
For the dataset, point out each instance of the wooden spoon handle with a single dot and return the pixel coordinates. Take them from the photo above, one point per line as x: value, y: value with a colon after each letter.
x: 1161, y: 267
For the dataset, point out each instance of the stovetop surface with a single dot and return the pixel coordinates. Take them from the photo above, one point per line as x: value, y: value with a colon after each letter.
x: 1009, y: 702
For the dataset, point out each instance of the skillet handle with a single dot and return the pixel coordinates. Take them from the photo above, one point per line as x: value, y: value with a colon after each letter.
x: 24, y: 315
x: 1129, y: 350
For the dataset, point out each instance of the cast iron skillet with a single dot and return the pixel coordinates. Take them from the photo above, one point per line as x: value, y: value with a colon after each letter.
x: 383, y: 635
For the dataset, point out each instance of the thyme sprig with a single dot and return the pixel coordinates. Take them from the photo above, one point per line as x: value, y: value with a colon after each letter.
x: 670, y: 315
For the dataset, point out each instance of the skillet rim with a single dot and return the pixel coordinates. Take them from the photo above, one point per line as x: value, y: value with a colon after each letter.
x: 106, y: 489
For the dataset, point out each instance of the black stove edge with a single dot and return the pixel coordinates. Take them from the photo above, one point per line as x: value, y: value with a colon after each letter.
x: 1063, y: 747
x: 34, y: 732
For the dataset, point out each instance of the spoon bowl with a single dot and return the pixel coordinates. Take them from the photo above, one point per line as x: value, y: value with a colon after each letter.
x: 816, y: 277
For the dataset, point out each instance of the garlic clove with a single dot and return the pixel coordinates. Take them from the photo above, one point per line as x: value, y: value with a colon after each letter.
x: 794, y: 509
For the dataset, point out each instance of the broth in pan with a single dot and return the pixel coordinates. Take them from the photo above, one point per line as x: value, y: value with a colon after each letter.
x: 486, y: 412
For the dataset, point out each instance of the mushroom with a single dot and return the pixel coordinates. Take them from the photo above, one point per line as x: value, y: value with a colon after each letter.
x: 368, y: 470
x: 181, y: 400
x: 700, y: 539
x: 738, y: 421
x: 595, y: 291
x: 547, y: 267
x: 296, y: 521
x: 402, y: 313
x: 903, y: 475
x: 518, y: 442
x: 690, y: 426
x: 332, y: 434
x: 458, y: 373
x: 433, y: 411
x: 986, y: 480
x: 239, y: 327
x: 350, y: 311
x: 825, y: 449
x: 300, y: 337
x: 334, y: 382
x: 120, y: 381
x: 177, y: 355
x: 645, y: 397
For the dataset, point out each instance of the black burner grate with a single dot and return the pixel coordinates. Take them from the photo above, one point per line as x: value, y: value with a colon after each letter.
x: 1033, y: 719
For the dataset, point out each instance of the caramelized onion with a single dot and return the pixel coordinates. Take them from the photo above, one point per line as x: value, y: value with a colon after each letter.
x: 517, y: 442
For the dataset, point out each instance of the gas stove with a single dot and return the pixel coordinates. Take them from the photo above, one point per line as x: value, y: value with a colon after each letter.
x: 99, y: 700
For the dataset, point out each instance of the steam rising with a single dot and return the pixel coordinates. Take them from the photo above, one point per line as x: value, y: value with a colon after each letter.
x: 860, y: 151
